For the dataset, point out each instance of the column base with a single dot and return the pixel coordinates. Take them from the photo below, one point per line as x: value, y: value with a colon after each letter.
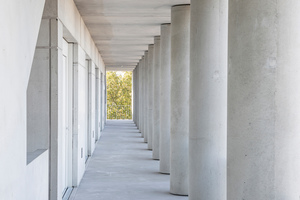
x: 165, y: 173
x: 179, y: 194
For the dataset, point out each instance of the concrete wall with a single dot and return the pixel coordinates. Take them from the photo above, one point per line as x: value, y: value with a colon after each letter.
x: 97, y: 105
x: 37, y: 178
x: 38, y: 100
x: 20, y: 22
x: 73, y: 22
x: 23, y: 58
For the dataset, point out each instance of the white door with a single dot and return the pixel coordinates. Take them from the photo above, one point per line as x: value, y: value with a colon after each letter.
x: 66, y: 135
x: 101, y: 102
x: 87, y: 138
x: 97, y: 105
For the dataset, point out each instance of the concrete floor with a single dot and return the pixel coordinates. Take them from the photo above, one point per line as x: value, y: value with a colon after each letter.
x: 122, y: 168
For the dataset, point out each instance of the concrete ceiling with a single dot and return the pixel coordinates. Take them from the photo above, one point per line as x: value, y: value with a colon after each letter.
x: 123, y: 29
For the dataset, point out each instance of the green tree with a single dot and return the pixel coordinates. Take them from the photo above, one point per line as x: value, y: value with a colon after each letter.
x: 119, y: 89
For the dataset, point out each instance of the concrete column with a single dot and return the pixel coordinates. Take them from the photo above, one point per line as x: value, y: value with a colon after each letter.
x: 146, y: 93
x: 140, y: 95
x: 150, y: 97
x: 156, y: 99
x: 208, y: 100
x: 180, y: 51
x: 264, y: 100
x: 135, y: 83
x: 136, y: 96
x: 143, y: 97
x: 165, y: 98
x: 133, y: 95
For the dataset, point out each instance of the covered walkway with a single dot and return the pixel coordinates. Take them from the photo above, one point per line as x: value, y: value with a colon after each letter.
x: 122, y: 168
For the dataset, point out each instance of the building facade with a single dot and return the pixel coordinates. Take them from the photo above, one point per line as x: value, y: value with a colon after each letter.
x: 215, y: 93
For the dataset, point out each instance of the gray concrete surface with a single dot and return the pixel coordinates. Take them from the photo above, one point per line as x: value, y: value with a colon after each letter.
x: 146, y: 93
x: 263, y: 100
x: 122, y: 168
x: 179, y: 139
x: 156, y: 99
x: 150, y: 95
x: 142, y: 101
x: 165, y: 99
x: 208, y: 100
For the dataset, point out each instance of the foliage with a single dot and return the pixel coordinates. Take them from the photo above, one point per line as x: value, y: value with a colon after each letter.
x: 119, y: 89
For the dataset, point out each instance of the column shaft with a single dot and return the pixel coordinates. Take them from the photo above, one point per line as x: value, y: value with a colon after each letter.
x: 264, y: 100
x: 146, y: 94
x: 150, y: 97
x: 136, y: 101
x: 208, y: 100
x: 140, y: 95
x: 133, y: 95
x: 156, y: 99
x: 165, y: 99
x: 137, y: 95
x: 143, y: 96
x: 180, y: 34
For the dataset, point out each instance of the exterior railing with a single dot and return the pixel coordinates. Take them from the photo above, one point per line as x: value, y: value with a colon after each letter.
x: 119, y: 112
